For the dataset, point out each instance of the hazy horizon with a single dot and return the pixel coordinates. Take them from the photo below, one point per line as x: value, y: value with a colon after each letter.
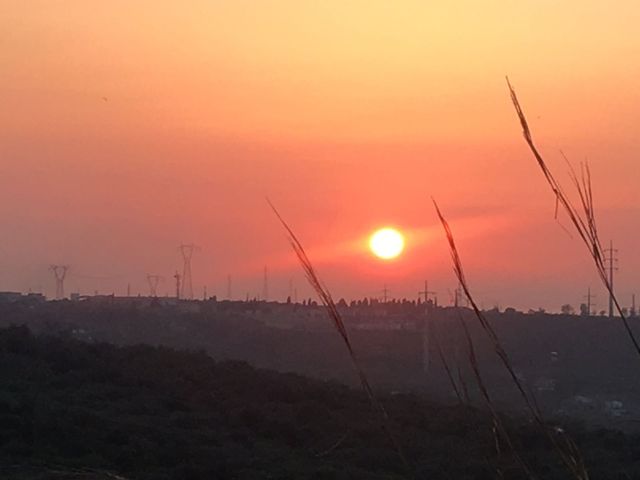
x: 128, y: 129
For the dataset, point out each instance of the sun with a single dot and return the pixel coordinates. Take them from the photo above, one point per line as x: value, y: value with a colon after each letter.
x: 386, y: 243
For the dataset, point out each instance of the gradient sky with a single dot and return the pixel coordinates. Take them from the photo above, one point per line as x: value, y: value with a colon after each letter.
x: 128, y: 127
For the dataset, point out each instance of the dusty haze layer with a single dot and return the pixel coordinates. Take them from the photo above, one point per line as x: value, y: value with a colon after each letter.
x: 130, y: 127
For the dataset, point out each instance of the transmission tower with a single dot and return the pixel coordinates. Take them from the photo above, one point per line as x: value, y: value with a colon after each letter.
x: 153, y: 281
x: 59, y: 272
x: 612, y: 260
x: 187, y: 284
x: 426, y: 292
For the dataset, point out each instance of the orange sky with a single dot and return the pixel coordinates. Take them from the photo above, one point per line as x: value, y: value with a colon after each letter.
x: 129, y: 127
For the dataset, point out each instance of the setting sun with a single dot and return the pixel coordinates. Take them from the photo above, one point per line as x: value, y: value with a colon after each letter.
x: 386, y: 243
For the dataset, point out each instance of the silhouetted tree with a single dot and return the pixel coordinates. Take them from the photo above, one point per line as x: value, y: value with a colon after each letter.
x: 566, y: 309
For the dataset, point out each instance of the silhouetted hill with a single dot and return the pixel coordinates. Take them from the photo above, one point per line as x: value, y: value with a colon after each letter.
x: 578, y: 366
x: 71, y: 409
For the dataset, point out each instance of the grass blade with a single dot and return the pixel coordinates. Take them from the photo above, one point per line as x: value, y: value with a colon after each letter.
x: 332, y: 311
x: 583, y: 219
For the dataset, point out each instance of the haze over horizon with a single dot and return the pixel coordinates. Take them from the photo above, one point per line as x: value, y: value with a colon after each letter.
x: 129, y: 128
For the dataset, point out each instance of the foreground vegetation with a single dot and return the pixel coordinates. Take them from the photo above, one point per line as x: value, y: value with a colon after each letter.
x: 155, y: 413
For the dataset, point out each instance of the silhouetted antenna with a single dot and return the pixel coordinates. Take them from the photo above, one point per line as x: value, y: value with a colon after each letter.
x: 265, y: 286
x: 590, y: 297
x: 612, y: 259
x: 385, y: 294
x: 458, y: 294
x: 187, y: 282
x: 177, y: 277
x: 59, y: 273
x: 426, y: 292
x: 228, y: 287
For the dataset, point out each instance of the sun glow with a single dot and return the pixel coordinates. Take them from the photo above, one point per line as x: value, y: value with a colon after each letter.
x: 386, y: 243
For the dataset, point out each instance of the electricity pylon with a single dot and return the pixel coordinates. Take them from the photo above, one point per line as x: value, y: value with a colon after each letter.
x: 187, y: 284
x: 59, y: 272
x: 153, y: 281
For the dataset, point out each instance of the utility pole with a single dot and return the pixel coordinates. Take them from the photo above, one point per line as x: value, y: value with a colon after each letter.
x: 187, y: 282
x: 459, y: 295
x: 613, y: 266
x: 177, y: 277
x: 153, y: 281
x: 385, y: 292
x: 589, y: 298
x: 426, y: 292
x: 59, y: 273
x: 128, y: 289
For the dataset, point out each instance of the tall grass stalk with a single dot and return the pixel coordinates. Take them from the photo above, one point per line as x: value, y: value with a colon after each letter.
x: 566, y: 449
x: 499, y: 429
x: 332, y: 311
x: 583, y: 217
x: 445, y: 364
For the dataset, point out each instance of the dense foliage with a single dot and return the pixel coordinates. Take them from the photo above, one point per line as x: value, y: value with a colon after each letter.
x: 155, y: 413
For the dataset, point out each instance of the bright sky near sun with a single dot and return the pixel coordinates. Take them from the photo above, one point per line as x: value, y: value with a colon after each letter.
x: 127, y: 128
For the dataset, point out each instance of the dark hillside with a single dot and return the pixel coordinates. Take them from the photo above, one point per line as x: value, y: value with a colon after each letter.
x: 77, y: 410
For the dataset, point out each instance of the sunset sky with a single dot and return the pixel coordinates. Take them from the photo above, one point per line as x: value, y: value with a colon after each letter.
x: 129, y: 127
